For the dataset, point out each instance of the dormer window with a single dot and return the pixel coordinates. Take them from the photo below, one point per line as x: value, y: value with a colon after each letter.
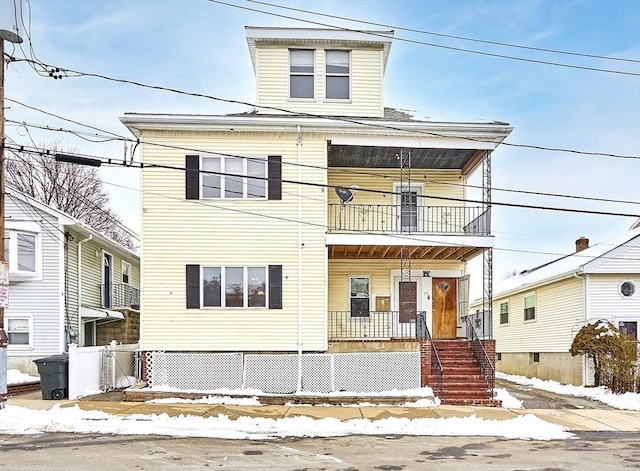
x: 338, y: 67
x: 301, y: 73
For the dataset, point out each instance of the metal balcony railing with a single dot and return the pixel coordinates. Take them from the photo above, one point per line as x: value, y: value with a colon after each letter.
x: 375, y: 325
x: 119, y: 295
x: 379, y: 218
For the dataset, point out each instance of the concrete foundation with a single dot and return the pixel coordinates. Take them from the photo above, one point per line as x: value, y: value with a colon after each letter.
x: 561, y: 367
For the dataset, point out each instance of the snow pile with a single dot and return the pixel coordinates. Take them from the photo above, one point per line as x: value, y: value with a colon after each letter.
x: 507, y: 400
x: 627, y: 401
x: 17, y: 377
x: 19, y: 420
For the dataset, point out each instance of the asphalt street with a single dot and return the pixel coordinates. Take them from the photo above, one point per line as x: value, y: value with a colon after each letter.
x: 600, y: 451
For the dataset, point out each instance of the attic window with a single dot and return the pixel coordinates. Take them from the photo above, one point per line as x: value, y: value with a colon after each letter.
x: 338, y: 75
x: 301, y: 71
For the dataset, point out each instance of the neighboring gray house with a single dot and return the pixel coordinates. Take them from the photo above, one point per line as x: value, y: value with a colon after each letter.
x: 67, y: 284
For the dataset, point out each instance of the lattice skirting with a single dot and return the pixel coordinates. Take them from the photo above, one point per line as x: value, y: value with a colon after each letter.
x: 278, y: 373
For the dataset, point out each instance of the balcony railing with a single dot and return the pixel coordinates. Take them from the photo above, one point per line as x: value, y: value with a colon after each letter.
x: 377, y: 325
x: 380, y: 218
x: 119, y: 295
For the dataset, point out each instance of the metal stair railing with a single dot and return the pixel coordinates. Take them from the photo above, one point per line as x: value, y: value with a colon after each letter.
x: 422, y: 333
x: 480, y: 353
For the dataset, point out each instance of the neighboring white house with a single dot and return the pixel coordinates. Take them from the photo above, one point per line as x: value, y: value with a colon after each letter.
x: 319, y: 222
x: 538, y: 312
x: 67, y: 284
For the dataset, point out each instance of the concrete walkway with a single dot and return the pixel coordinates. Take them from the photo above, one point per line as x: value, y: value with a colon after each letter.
x: 576, y: 420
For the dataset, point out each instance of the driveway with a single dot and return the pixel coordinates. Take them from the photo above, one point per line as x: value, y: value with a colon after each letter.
x: 538, y: 399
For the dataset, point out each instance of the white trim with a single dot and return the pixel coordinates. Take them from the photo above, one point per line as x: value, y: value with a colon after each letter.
x: 12, y: 246
x: 20, y: 347
x: 93, y: 314
x: 349, y: 297
x: 422, y: 142
x: 62, y: 301
x: 535, y: 306
x: 102, y: 266
x: 124, y: 264
x: 411, y: 239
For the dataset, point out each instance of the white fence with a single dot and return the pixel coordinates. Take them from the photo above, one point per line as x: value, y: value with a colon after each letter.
x: 278, y: 373
x: 93, y: 370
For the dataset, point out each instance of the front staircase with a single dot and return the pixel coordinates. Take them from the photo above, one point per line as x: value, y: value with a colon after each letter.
x: 462, y: 380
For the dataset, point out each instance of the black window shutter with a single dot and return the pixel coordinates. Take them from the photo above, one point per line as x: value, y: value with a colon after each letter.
x: 275, y: 286
x: 192, y: 177
x: 275, y: 177
x: 193, y: 286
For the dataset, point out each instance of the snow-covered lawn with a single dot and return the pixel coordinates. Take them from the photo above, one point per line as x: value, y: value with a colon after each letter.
x: 627, y: 401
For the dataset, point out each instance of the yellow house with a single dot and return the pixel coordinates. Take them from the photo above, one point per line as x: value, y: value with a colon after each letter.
x: 320, y: 221
x: 539, y: 311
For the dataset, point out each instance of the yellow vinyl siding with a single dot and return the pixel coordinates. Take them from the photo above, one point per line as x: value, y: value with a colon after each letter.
x: 232, y: 233
x: 272, y: 75
x: 380, y: 273
x: 559, y: 313
x: 443, y: 183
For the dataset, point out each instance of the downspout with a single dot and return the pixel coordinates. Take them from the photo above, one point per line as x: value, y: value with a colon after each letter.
x: 80, y: 242
x: 299, y: 388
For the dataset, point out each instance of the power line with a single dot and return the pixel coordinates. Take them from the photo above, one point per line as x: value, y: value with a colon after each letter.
x: 442, y: 35
x: 124, y: 163
x: 336, y: 169
x: 424, y: 43
x: 328, y: 117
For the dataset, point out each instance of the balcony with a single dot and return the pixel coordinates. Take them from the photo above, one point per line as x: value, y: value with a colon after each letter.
x: 120, y: 295
x: 393, y: 219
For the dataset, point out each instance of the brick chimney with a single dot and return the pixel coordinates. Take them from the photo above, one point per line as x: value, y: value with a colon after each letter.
x: 581, y: 244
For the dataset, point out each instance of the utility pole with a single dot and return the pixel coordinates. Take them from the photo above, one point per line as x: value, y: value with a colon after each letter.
x: 10, y: 21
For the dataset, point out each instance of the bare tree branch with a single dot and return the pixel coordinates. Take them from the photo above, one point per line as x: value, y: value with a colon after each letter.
x: 74, y: 189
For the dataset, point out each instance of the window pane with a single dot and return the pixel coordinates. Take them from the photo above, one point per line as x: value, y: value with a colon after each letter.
x: 301, y: 86
x: 234, y: 292
x: 529, y: 301
x: 26, y: 252
x: 211, y: 278
x: 301, y: 60
x: 18, y: 331
x: 256, y: 188
x: 359, y: 307
x: 338, y: 61
x: 360, y: 287
x: 504, y: 307
x: 233, y: 184
x: 210, y: 182
x: 257, y: 283
x: 338, y: 88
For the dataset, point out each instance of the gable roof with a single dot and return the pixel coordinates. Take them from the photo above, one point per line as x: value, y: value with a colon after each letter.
x: 564, y: 267
x: 69, y: 221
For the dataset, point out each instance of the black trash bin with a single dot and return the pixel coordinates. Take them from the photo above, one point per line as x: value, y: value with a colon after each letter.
x: 54, y: 376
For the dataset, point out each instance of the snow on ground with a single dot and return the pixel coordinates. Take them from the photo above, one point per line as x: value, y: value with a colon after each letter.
x: 20, y: 420
x: 507, y: 400
x: 627, y: 401
x: 17, y: 377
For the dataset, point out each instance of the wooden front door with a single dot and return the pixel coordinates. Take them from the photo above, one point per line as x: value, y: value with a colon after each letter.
x: 445, y: 308
x: 408, y: 294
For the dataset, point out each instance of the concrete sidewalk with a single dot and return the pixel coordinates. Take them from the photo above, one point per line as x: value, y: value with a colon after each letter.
x: 576, y: 420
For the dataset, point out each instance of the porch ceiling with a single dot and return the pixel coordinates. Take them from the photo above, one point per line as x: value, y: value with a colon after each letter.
x: 392, y: 252
x: 386, y: 157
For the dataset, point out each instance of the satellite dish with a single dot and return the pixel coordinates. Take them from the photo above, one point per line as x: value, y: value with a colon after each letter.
x: 344, y: 194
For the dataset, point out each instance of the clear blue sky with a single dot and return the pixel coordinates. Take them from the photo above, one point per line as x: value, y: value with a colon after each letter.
x: 199, y: 46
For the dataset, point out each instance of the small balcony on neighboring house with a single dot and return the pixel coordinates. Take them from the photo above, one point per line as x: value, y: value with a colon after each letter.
x: 120, y: 296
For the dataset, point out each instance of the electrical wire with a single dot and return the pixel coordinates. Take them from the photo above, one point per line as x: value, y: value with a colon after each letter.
x: 424, y: 43
x: 119, y: 162
x: 442, y: 35
x: 73, y: 73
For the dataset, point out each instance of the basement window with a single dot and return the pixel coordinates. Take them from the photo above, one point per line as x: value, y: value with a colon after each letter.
x: 535, y: 357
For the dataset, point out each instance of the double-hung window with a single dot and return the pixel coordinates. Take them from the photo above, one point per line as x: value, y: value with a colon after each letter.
x: 504, y: 312
x: 19, y: 331
x: 301, y: 73
x: 530, y: 307
x: 338, y: 76
x: 359, y: 295
x: 230, y: 177
x: 22, y: 251
x: 234, y: 286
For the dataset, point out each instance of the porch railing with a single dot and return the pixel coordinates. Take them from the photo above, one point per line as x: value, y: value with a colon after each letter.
x: 481, y: 320
x: 342, y: 325
x: 119, y: 295
x: 436, y: 365
x: 480, y: 353
x: 380, y: 218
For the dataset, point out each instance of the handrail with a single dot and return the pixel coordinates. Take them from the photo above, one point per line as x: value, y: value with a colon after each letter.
x: 436, y: 365
x: 480, y: 353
